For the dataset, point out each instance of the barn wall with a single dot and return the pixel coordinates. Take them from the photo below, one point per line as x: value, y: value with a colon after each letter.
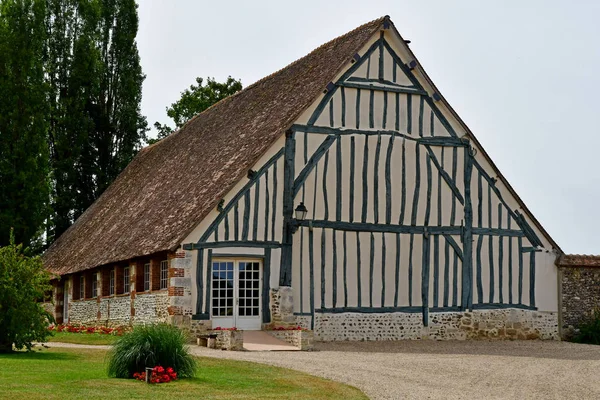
x: 407, y: 221
x: 376, y: 163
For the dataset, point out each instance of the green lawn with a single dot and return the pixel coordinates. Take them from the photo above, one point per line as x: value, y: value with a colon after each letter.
x: 82, y: 338
x: 80, y: 373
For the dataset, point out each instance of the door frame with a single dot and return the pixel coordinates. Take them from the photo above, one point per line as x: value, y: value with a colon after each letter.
x: 65, y: 310
x: 224, y: 321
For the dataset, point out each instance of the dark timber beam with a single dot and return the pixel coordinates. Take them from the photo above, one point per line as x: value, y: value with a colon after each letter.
x: 232, y: 243
x: 285, y: 268
x: 393, y: 89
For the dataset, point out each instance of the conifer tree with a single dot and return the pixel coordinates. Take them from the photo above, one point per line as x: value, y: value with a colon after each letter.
x: 24, y: 169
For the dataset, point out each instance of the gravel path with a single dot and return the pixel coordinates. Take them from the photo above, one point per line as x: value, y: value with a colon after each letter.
x: 442, y: 370
x: 447, y: 370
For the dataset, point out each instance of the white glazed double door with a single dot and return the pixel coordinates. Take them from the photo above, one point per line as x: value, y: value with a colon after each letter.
x: 236, y: 287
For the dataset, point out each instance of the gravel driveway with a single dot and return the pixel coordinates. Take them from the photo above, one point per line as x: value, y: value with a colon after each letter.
x: 447, y: 370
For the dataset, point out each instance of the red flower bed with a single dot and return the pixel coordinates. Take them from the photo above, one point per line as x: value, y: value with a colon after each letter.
x: 289, y: 328
x: 103, y: 330
x: 158, y: 375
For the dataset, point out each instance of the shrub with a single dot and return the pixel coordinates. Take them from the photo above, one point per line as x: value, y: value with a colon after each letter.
x: 23, y: 281
x: 149, y: 346
x: 589, y: 330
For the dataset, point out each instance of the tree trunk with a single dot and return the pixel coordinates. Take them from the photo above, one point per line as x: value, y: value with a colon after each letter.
x: 5, y: 347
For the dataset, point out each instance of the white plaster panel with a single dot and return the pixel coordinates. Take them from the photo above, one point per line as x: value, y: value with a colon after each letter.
x: 180, y: 301
x: 181, y: 282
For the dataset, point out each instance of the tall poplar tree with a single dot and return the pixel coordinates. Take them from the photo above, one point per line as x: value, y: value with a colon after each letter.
x: 96, y: 126
x: 24, y: 169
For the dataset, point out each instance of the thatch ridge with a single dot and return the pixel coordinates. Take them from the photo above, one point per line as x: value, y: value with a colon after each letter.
x: 172, y: 185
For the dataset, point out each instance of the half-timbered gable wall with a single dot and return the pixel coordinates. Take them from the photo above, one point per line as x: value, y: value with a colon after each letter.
x: 247, y: 223
x: 407, y: 221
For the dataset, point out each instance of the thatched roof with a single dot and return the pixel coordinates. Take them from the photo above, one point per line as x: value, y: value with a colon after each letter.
x: 171, y: 186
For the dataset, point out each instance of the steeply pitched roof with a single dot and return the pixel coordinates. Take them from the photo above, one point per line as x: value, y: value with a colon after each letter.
x: 171, y: 186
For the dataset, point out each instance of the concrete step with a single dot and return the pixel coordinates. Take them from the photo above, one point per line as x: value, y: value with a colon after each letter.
x: 262, y: 341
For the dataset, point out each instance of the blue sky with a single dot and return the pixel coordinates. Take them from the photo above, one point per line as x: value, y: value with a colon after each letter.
x: 523, y: 75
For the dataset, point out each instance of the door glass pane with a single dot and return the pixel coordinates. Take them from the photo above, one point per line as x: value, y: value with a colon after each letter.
x: 222, y: 289
x: 248, y: 289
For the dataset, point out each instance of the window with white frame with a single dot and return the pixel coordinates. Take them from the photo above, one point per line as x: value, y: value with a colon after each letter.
x: 94, y: 286
x: 81, y: 287
x: 111, y: 283
x: 164, y: 274
x: 147, y: 277
x: 125, y: 279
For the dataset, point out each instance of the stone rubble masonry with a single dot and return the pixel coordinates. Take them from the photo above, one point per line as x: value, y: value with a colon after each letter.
x: 198, y: 327
x: 579, y: 282
x: 229, y: 340
x: 180, y: 288
x: 135, y: 307
x: 477, y: 324
x: 302, y: 339
x: 282, y: 306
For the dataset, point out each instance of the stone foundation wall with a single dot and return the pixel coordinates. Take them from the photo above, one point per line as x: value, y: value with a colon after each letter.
x: 478, y: 324
x: 151, y: 308
x: 368, y: 326
x: 117, y: 311
x: 83, y: 312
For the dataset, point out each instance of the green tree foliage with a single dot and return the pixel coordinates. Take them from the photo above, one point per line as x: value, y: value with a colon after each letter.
x: 23, y: 281
x: 195, y: 100
x: 95, y: 79
x: 24, y: 169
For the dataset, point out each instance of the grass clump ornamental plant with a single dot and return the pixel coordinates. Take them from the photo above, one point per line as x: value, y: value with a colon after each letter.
x: 150, y: 346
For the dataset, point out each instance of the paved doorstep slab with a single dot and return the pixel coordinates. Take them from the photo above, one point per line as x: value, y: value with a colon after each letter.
x: 262, y: 341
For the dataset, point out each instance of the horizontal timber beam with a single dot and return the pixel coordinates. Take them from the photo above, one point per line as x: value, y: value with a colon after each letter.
x: 339, y: 310
x: 430, y: 141
x: 382, y: 88
x: 380, y: 82
x: 369, y: 227
x: 498, y: 232
x: 433, y: 230
x: 443, y: 141
x: 496, y: 306
x: 347, y: 131
x: 231, y: 243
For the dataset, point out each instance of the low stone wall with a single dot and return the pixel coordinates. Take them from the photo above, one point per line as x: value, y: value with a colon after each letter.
x: 478, y: 324
x: 196, y: 327
x: 117, y: 311
x: 229, y: 340
x: 579, y: 278
x: 83, y: 312
x: 302, y: 339
x: 151, y: 308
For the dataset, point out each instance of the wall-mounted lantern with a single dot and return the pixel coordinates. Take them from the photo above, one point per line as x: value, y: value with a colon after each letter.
x: 301, y: 212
